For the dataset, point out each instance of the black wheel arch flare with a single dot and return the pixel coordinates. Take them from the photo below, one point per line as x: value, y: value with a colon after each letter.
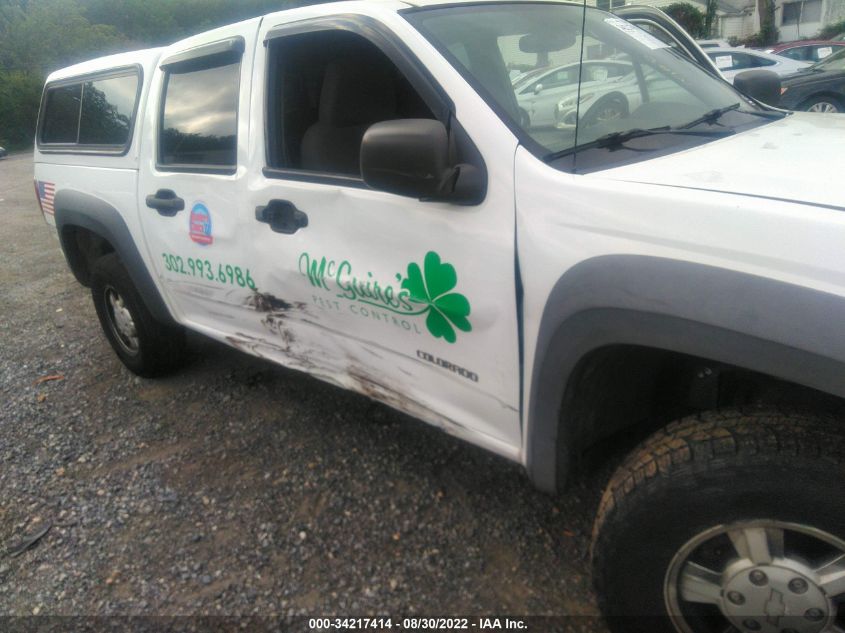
x: 76, y: 209
x: 783, y: 330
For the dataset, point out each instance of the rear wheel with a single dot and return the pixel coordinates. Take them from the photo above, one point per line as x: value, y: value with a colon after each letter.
x: 823, y: 104
x: 728, y: 522
x: 146, y: 346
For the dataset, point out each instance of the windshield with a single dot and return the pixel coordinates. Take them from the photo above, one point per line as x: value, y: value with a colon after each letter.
x: 834, y: 62
x: 564, y: 90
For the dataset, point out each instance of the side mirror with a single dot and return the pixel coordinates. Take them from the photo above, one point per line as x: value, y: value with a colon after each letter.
x: 538, y: 88
x: 410, y: 157
x: 762, y: 85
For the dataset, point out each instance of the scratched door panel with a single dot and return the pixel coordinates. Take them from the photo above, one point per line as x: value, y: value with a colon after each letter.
x: 410, y: 302
x: 192, y: 147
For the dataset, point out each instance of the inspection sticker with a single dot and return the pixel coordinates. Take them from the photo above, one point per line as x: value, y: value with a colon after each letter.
x: 200, y: 225
x: 637, y: 33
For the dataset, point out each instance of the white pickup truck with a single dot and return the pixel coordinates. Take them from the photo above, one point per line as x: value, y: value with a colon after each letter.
x: 351, y: 190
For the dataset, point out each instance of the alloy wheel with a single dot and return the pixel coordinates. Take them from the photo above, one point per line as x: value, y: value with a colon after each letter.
x: 758, y: 577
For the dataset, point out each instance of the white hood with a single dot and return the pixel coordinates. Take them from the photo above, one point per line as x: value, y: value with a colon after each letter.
x: 798, y: 158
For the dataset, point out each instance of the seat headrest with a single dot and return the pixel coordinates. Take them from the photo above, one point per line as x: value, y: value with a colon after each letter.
x: 357, y: 92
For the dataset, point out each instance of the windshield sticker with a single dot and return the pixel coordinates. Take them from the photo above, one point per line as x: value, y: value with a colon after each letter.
x: 423, y: 291
x: 637, y: 33
x: 200, y: 225
x: 724, y: 61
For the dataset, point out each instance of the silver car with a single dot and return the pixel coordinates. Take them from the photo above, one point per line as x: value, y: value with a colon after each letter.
x: 732, y: 61
x: 539, y: 91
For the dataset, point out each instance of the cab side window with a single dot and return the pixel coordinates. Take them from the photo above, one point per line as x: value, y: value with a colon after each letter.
x: 325, y: 89
x: 199, y: 115
x: 61, y: 114
x: 107, y: 109
x: 95, y: 114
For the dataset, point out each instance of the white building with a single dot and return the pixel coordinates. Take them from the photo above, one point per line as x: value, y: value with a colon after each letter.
x: 796, y: 19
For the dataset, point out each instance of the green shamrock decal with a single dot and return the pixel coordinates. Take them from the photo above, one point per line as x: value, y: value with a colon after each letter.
x: 445, y: 308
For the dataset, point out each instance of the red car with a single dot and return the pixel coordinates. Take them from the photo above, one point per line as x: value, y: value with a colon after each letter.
x: 807, y: 50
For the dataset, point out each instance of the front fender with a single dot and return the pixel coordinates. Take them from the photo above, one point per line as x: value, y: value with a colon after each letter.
x: 783, y: 330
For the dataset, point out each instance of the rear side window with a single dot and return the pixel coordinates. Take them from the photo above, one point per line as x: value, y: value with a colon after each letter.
x: 61, y: 114
x: 90, y: 115
x: 199, y: 116
x: 107, y: 109
x: 801, y: 53
x: 738, y: 61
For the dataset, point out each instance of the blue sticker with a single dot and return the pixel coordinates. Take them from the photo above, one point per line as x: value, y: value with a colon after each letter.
x: 200, y: 227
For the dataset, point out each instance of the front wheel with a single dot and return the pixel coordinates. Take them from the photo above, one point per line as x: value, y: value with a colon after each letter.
x: 609, y: 108
x: 725, y: 523
x: 146, y: 346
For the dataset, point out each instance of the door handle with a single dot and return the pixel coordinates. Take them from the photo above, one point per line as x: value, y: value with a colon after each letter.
x: 166, y: 202
x: 282, y: 216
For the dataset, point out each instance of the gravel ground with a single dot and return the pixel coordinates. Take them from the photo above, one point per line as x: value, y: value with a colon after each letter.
x: 237, y: 487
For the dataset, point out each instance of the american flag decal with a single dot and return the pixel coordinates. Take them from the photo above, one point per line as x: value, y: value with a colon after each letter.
x: 46, y: 191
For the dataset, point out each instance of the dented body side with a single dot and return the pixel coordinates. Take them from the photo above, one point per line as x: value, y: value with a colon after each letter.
x: 415, y: 304
x: 409, y: 302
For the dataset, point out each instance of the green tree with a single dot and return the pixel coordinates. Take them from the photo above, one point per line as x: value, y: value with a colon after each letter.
x: 40, y: 36
x: 689, y: 17
x: 20, y: 94
x: 710, y: 17
x: 832, y: 30
x: 768, y: 31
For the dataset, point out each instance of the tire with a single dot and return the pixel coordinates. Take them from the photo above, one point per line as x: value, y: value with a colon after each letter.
x: 824, y: 104
x: 147, y: 347
x: 701, y: 492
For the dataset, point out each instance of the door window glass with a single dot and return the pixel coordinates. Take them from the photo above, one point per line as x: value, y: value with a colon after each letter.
x: 200, y: 116
x: 836, y: 61
x: 327, y: 88
x: 738, y: 61
x: 801, y: 53
x: 821, y: 52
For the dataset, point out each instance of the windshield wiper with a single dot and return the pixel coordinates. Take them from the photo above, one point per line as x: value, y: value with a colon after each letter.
x: 615, y: 139
x: 715, y: 114
x: 710, y: 117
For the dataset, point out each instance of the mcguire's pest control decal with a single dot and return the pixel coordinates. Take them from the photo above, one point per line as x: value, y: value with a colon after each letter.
x: 426, y: 291
x: 200, y: 225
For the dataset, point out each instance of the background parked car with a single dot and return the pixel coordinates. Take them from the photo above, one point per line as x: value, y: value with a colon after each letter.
x: 807, y: 50
x: 712, y: 43
x: 732, y: 61
x: 820, y: 88
x: 600, y: 99
x: 539, y: 91
x: 2, y: 153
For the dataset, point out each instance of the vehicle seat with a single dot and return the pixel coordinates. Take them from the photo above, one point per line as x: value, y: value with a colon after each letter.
x: 355, y: 94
